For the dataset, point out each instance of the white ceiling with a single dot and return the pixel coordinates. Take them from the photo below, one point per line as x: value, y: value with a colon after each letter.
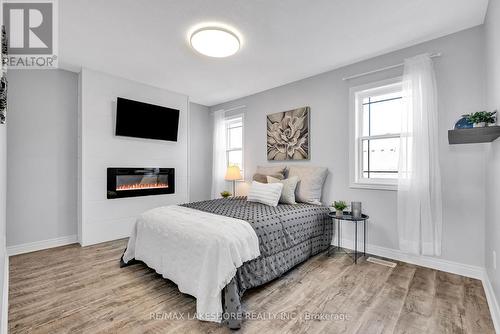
x: 283, y: 40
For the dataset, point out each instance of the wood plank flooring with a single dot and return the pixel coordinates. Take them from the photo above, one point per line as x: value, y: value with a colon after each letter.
x: 82, y: 290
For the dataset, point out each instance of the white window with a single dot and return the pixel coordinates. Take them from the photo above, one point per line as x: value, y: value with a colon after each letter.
x: 376, y: 123
x: 234, y: 138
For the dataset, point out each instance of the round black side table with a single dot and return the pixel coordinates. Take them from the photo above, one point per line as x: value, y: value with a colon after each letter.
x: 347, y: 216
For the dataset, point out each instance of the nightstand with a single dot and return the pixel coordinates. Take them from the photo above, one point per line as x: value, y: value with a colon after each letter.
x: 347, y: 216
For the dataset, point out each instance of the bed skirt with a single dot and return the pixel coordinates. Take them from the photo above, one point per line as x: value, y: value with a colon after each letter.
x: 268, y: 270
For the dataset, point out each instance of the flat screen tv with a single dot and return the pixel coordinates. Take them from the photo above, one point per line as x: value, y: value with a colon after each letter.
x: 144, y: 120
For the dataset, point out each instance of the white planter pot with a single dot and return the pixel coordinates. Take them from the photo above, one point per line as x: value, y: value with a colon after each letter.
x: 339, y: 213
x: 479, y: 125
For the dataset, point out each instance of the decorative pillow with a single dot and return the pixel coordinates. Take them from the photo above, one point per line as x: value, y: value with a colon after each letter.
x: 265, y: 193
x: 288, y: 192
x: 311, y: 183
x: 270, y: 170
x: 262, y: 178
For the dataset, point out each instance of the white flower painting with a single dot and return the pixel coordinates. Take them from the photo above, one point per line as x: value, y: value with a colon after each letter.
x: 288, y: 135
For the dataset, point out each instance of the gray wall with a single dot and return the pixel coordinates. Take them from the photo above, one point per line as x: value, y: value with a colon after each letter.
x: 200, y: 150
x: 492, y: 28
x: 41, y: 155
x: 460, y: 74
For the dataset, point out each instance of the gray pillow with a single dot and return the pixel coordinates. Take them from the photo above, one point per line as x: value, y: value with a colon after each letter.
x: 288, y: 192
x: 262, y: 178
x: 311, y: 183
x: 270, y: 170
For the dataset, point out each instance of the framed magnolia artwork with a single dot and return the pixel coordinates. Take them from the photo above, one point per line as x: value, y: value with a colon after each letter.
x: 288, y: 135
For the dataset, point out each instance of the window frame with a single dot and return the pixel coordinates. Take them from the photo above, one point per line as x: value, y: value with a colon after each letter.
x: 356, y: 95
x: 227, y: 122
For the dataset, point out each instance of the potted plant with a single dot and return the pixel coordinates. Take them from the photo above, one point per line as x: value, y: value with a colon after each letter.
x: 481, y: 119
x: 225, y: 194
x: 339, y: 207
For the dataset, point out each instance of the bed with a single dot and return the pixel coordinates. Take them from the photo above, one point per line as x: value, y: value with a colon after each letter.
x: 287, y: 235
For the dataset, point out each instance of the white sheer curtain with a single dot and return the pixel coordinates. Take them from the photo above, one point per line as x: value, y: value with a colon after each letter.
x: 219, y: 163
x: 419, y: 186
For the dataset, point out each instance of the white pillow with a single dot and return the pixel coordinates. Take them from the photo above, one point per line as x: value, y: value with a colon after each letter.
x: 311, y: 182
x: 288, y: 192
x: 265, y: 193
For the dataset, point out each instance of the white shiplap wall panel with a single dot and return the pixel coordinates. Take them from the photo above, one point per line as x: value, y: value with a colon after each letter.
x: 102, y: 219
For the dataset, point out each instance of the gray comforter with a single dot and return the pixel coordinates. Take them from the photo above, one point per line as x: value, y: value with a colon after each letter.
x: 288, y: 235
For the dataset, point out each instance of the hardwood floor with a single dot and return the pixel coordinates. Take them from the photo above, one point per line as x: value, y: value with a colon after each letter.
x: 82, y: 290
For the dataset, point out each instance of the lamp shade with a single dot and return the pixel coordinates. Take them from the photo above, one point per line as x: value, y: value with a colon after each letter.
x: 233, y: 173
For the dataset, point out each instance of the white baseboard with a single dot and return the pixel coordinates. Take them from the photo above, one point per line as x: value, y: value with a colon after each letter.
x: 39, y: 245
x: 492, y: 301
x: 5, y: 298
x: 424, y: 261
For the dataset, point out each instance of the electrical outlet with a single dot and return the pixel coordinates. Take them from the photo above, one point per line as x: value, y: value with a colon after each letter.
x: 494, y: 260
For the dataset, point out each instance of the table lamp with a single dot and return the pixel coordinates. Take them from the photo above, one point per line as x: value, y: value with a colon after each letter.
x: 232, y: 174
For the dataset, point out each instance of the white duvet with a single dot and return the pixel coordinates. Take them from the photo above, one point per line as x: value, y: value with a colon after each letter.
x: 199, y: 251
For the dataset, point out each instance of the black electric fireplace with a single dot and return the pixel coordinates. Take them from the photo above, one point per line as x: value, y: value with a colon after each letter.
x: 133, y: 182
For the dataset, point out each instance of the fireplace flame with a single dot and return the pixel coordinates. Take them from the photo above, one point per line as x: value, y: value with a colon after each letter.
x: 141, y: 186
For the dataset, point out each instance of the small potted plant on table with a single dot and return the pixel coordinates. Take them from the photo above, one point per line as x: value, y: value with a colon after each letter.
x: 225, y: 194
x: 339, y: 206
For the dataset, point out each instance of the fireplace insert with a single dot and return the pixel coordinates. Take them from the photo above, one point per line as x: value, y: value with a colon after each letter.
x: 133, y: 182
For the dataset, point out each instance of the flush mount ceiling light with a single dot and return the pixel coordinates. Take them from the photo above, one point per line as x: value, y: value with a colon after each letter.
x: 215, y: 42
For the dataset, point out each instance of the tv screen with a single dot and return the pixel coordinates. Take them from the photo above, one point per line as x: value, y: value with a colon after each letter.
x: 144, y: 120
